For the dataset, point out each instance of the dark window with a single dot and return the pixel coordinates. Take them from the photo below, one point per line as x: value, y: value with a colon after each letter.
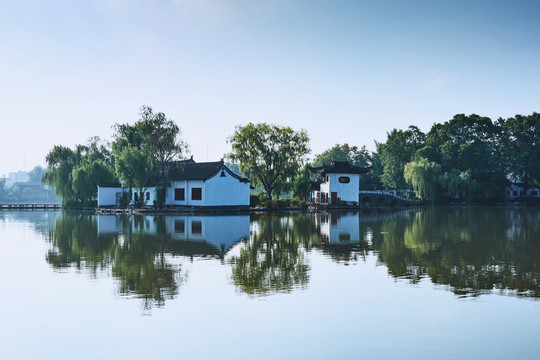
x: 135, y: 197
x: 222, y: 173
x: 515, y: 193
x: 344, y: 179
x: 179, y: 226
x: 344, y: 237
x: 179, y: 194
x: 196, y: 227
x: 147, y: 196
x: 196, y: 194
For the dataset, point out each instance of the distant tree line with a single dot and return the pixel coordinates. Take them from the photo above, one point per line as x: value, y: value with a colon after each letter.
x: 466, y: 159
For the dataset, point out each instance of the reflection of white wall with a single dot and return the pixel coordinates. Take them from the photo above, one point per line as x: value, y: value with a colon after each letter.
x: 340, y: 228
x: 220, y: 231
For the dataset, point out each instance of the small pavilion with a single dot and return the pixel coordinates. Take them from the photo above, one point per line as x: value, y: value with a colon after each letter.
x: 337, y: 182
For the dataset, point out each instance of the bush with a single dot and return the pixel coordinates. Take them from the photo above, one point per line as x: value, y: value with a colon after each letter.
x: 256, y: 200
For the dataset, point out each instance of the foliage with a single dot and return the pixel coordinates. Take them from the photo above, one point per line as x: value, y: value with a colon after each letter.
x: 132, y: 167
x: 521, y: 144
x: 471, y: 144
x: 76, y: 173
x: 269, y: 154
x: 423, y: 176
x: 398, y: 150
x: 357, y: 157
x: 301, y: 184
x: 155, y: 136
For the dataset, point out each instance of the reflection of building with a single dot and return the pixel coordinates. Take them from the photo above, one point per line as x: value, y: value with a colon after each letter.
x: 337, y: 228
x: 207, y: 184
x: 337, y: 182
x: 517, y: 190
x: 187, y: 235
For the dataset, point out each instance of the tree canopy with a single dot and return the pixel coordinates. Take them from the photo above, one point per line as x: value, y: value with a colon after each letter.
x: 156, y: 136
x: 75, y: 173
x: 271, y: 155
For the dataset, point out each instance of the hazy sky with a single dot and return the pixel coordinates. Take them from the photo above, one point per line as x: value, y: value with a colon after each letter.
x: 346, y: 71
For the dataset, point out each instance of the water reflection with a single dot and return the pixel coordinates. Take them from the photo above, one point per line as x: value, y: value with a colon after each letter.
x: 274, y: 260
x: 140, y: 250
x: 471, y: 251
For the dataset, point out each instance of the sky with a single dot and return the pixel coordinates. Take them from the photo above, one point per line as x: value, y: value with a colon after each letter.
x: 345, y: 71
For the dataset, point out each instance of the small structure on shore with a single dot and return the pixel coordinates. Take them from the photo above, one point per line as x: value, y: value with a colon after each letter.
x: 192, y: 184
x: 338, y: 182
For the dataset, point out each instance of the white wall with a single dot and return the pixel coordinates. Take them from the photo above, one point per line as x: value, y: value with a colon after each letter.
x: 187, y: 185
x: 149, y: 202
x: 346, y: 192
x: 107, y: 195
x: 226, y: 191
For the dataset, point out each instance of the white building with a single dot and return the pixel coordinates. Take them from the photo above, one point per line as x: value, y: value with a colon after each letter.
x: 206, y: 184
x: 337, y: 182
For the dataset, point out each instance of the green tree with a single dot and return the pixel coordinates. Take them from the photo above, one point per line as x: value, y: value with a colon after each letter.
x: 521, y: 144
x: 357, y: 157
x: 132, y: 167
x: 157, y: 136
x: 472, y: 143
x: 423, y: 176
x: 76, y: 173
x: 301, y: 184
x: 271, y: 155
x: 399, y: 149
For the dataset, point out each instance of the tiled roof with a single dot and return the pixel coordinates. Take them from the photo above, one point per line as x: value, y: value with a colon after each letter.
x: 191, y: 170
x: 339, y: 167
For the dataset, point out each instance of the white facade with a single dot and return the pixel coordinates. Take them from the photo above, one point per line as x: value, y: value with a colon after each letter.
x: 220, y: 189
x: 335, y: 186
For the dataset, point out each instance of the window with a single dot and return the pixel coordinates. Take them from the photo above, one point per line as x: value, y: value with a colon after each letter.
x: 222, y: 173
x: 147, y: 196
x: 179, y: 194
x: 196, y: 194
x: 344, y: 179
x: 135, y: 197
x: 179, y: 226
x: 196, y: 227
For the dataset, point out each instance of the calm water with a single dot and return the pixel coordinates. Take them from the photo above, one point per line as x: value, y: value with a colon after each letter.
x: 430, y: 284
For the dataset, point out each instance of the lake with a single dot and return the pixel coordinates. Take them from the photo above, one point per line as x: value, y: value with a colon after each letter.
x: 442, y: 283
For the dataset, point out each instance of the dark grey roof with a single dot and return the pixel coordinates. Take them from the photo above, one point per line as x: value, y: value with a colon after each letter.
x: 191, y: 170
x: 339, y: 167
x: 109, y: 185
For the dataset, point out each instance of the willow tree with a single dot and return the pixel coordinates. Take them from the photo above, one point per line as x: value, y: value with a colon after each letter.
x: 423, y: 176
x: 269, y: 154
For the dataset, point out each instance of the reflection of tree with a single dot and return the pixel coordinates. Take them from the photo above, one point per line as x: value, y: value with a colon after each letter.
x: 137, y: 259
x: 141, y: 268
x: 472, y: 250
x: 75, y: 243
x: 273, y: 260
